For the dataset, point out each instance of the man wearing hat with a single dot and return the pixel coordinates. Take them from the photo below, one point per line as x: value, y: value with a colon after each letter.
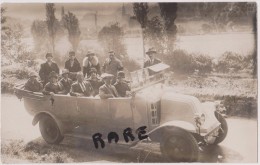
x: 95, y: 81
x: 72, y: 65
x: 80, y: 87
x: 90, y: 61
x: 66, y: 82
x: 107, y: 90
x: 46, y: 68
x: 121, y: 85
x: 152, y: 60
x: 33, y: 84
x: 53, y: 86
x: 112, y: 65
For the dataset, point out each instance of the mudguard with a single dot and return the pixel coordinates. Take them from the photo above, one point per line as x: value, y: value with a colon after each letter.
x: 41, y: 114
x: 156, y: 133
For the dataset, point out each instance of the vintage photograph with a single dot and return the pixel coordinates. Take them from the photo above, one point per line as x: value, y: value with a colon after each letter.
x: 129, y: 82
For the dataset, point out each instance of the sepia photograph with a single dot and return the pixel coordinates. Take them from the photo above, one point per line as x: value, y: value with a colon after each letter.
x: 129, y: 82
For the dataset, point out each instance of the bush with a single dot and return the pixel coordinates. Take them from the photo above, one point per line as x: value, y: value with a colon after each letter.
x: 180, y: 62
x: 231, y: 61
x: 130, y: 64
x: 203, y: 63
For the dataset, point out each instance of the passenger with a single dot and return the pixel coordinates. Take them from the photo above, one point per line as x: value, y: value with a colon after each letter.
x: 112, y: 65
x: 80, y: 87
x: 33, y: 84
x: 66, y: 82
x: 152, y: 61
x: 95, y: 81
x: 47, y: 68
x: 53, y: 87
x: 91, y: 61
x: 122, y: 86
x: 73, y: 65
x: 107, y: 90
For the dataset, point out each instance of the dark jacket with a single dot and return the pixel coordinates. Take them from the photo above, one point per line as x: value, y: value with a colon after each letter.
x: 121, y: 88
x: 55, y: 88
x: 33, y: 86
x: 75, y: 67
x: 76, y: 89
x: 96, y: 84
x: 106, y: 92
x: 149, y: 63
x: 112, y: 67
x: 46, y: 69
x: 66, y: 85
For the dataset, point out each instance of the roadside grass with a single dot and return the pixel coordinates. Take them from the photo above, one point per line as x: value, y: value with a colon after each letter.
x: 33, y: 152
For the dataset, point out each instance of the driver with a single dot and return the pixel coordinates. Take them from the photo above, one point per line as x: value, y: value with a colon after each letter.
x: 107, y: 90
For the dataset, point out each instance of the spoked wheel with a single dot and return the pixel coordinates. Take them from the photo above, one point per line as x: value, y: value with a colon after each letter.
x: 50, y: 130
x: 222, y: 133
x: 179, y: 146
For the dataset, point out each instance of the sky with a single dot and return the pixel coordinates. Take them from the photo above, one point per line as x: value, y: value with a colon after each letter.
x: 34, y: 11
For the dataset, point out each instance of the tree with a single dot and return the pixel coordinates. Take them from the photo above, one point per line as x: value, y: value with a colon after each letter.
x: 3, y: 18
x: 51, y: 21
x: 111, y: 39
x: 39, y: 30
x: 168, y: 12
x: 141, y: 12
x: 71, y: 23
x: 154, y: 34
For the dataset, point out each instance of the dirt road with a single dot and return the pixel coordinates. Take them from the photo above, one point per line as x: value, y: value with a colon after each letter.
x: 21, y: 142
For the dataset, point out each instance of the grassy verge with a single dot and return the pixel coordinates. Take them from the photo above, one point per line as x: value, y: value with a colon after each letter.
x: 32, y: 152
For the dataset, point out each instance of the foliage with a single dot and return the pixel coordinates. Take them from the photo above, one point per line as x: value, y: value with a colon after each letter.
x: 141, y: 11
x: 130, y: 65
x: 71, y: 23
x: 230, y: 61
x: 154, y: 34
x: 169, y: 14
x: 203, y: 63
x: 3, y: 18
x: 39, y: 30
x: 111, y: 38
x: 51, y: 21
x: 12, y: 48
x: 180, y: 62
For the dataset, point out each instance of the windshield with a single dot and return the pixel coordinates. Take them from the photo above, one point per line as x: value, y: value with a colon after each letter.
x: 147, y: 76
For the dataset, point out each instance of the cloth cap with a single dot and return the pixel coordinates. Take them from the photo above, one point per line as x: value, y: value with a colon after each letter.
x: 48, y: 55
x: 150, y: 51
x: 120, y: 74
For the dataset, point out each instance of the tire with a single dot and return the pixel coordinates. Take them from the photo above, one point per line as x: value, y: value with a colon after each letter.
x: 50, y: 130
x: 224, y: 128
x: 179, y: 145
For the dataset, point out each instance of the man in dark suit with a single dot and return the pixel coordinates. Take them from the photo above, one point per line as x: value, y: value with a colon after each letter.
x: 73, y: 65
x: 47, y: 68
x: 95, y: 81
x: 53, y: 86
x: 107, y: 90
x: 80, y: 87
x: 122, y: 86
x: 33, y: 84
x: 65, y: 82
x: 152, y: 60
x: 112, y: 65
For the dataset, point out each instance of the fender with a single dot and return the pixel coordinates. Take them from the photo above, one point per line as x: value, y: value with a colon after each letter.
x: 156, y: 133
x: 41, y: 114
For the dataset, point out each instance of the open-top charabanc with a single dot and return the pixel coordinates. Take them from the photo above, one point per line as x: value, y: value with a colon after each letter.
x: 178, y: 122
